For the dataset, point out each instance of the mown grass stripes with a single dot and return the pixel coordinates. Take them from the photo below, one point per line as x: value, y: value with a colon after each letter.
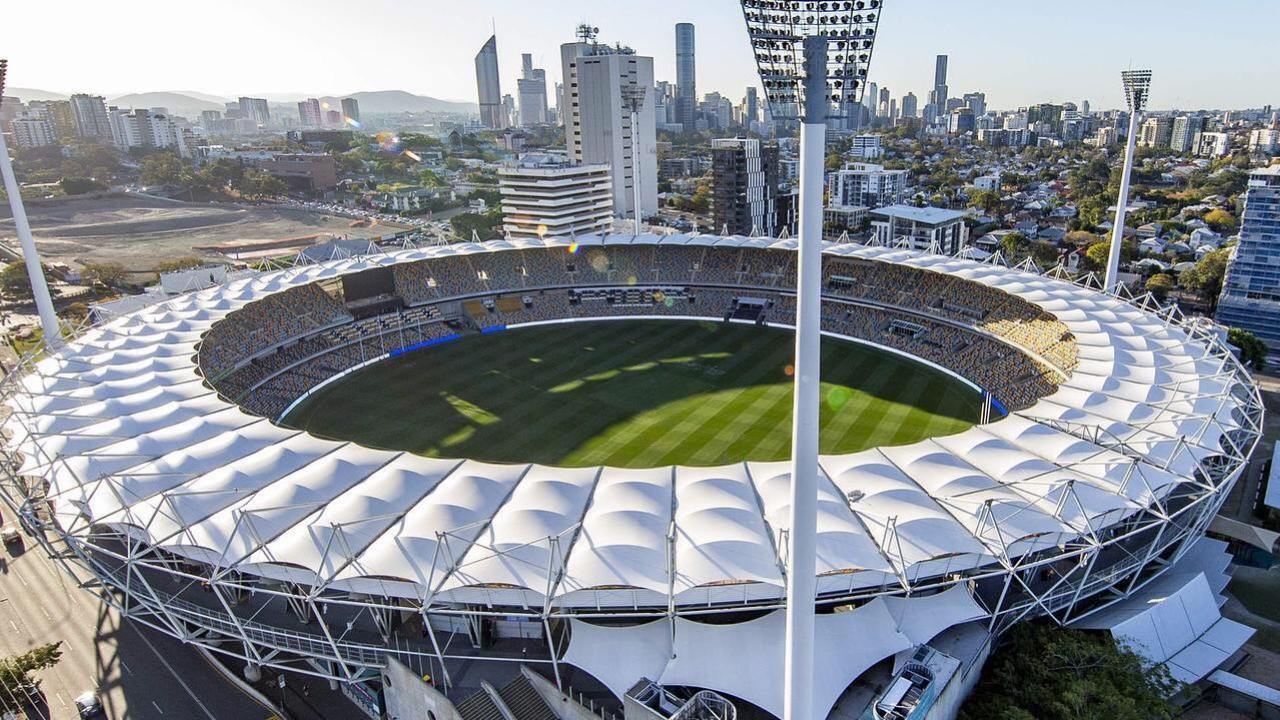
x: 631, y: 394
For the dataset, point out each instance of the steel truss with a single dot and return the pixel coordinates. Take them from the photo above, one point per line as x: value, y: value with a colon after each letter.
x: 347, y: 637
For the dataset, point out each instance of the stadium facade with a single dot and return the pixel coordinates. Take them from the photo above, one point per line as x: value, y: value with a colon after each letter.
x: 145, y: 456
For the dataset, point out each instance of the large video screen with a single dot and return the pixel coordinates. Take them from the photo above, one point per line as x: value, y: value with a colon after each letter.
x: 368, y: 284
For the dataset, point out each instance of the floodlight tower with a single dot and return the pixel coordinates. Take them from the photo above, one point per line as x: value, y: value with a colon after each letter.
x: 39, y: 288
x: 1137, y: 85
x: 633, y: 99
x: 813, y: 59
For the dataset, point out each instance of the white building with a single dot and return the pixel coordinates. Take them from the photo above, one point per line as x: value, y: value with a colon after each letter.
x: 143, y: 128
x: 931, y: 229
x: 987, y: 182
x: 866, y: 185
x: 32, y: 130
x: 1265, y: 141
x: 548, y: 195
x: 597, y: 118
x: 867, y: 147
x: 1212, y: 144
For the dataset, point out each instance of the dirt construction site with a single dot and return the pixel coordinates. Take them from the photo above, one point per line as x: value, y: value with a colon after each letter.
x: 141, y: 231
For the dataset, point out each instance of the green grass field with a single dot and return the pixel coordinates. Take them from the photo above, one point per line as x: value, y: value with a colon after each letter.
x: 631, y: 394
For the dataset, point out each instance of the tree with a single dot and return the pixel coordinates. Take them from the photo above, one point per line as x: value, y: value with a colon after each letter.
x: 182, y: 263
x: 14, y: 282
x: 486, y: 225
x: 1044, y: 253
x: 1080, y: 238
x: 1014, y: 245
x: 1049, y: 673
x: 1205, y: 279
x: 988, y: 200
x: 15, y: 673
x: 107, y: 273
x: 1159, y: 285
x: 1253, y: 352
x: 256, y: 183
x: 1097, y: 255
x: 1220, y: 220
x: 165, y: 168
x: 80, y: 185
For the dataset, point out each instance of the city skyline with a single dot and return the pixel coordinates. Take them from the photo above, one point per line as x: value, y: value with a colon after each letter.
x: 984, y: 54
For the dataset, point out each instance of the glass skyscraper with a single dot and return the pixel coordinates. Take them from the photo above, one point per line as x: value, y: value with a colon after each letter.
x: 1251, y: 291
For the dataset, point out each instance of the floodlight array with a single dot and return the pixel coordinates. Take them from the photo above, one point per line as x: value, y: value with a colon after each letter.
x: 777, y: 29
x: 1137, y: 86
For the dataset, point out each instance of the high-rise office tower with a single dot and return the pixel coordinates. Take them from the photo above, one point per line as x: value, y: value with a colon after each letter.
x: 1185, y: 129
x: 1084, y: 107
x: 752, y: 103
x: 532, y: 88
x: 910, y: 105
x: 309, y: 113
x: 686, y: 78
x: 600, y: 80
x: 977, y: 102
x: 351, y: 109
x: 255, y: 109
x: 1251, y: 290
x: 1156, y: 132
x: 90, y: 113
x: 487, y: 85
x: 744, y: 185
x: 872, y: 97
x: 882, y: 106
x: 509, y: 114
x: 939, y: 97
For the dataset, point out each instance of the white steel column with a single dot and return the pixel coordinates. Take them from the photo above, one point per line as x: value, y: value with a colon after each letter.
x: 801, y: 581
x: 635, y: 161
x: 39, y: 288
x: 1117, y: 232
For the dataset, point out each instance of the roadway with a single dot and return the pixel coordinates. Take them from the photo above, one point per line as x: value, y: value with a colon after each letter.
x: 140, y: 674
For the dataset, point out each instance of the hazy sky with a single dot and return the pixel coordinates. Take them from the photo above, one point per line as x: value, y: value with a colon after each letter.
x: 1205, y: 53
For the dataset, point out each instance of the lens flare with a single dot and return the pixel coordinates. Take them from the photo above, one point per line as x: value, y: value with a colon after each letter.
x: 573, y: 248
x: 354, y: 123
x: 838, y: 397
x: 413, y: 155
x: 789, y: 370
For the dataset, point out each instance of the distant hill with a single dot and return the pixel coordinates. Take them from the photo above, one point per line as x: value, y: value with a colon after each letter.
x: 177, y: 103
x: 398, y: 101
x: 191, y: 103
x: 29, y: 94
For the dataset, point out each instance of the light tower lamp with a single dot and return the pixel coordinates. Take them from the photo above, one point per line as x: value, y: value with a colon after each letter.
x: 633, y: 99
x: 1137, y: 85
x: 39, y: 288
x: 813, y: 59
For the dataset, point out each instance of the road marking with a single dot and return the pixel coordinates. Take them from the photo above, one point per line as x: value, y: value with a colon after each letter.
x: 61, y: 702
x: 46, y: 613
x: 173, y: 672
x: 126, y: 667
x: 15, y: 627
x: 157, y: 707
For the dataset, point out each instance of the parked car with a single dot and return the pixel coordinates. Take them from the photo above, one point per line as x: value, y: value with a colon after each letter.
x: 88, y: 705
x: 11, y: 534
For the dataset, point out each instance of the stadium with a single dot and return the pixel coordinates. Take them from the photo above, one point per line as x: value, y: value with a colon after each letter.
x: 567, y: 456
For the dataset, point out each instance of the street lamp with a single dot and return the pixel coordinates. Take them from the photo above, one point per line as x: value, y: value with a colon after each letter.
x: 1137, y: 86
x: 39, y: 288
x: 813, y: 59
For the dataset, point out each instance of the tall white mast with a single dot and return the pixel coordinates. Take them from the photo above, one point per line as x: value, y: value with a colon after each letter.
x: 39, y: 288
x: 1137, y: 83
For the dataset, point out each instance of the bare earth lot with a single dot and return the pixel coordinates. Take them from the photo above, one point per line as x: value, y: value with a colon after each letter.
x: 140, y: 232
